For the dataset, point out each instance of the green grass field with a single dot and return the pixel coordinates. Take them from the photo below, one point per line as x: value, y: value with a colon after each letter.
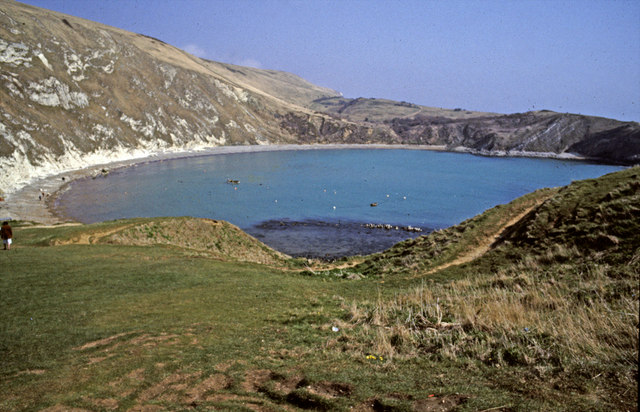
x: 530, y: 306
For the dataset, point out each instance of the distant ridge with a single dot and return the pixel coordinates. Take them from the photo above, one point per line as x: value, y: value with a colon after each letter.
x: 76, y: 93
x: 542, y: 133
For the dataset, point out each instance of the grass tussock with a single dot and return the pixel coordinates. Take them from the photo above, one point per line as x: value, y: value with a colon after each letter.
x: 521, y: 317
x: 560, y: 325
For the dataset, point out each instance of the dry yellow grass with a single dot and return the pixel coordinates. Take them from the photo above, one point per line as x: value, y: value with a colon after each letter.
x: 519, y: 318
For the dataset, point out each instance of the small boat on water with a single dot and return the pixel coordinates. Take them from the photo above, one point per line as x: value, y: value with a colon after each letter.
x: 232, y: 181
x: 374, y: 204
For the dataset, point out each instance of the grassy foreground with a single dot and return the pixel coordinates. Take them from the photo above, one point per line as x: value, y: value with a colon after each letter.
x: 530, y: 306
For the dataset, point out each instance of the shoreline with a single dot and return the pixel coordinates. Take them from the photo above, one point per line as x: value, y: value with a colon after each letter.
x: 24, y: 204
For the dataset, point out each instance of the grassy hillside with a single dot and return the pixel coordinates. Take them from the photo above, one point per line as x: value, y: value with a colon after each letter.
x: 551, y: 300
x: 530, y: 306
x: 211, y: 238
x: 384, y: 110
x: 282, y: 85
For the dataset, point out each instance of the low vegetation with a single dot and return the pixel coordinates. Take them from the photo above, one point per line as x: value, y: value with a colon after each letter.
x: 213, y: 238
x: 554, y: 298
x: 530, y: 306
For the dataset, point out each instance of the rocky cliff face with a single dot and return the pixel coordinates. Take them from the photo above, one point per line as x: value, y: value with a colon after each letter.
x: 75, y: 93
x: 537, y: 132
x: 532, y: 133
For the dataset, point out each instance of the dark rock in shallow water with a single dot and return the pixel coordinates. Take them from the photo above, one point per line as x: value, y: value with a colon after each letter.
x: 327, y: 239
x: 387, y: 226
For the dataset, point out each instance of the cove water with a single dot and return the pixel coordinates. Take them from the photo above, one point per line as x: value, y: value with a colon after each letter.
x: 316, y: 202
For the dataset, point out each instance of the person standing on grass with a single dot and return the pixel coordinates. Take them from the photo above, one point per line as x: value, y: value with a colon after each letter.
x: 6, y: 234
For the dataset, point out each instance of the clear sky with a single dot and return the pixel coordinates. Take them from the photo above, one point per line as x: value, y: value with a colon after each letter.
x: 578, y: 56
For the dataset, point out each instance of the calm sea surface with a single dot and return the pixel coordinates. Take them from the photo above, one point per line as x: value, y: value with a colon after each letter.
x: 315, y: 202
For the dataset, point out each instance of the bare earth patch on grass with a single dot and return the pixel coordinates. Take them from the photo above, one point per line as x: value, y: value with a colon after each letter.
x: 433, y: 403
x: 102, y: 342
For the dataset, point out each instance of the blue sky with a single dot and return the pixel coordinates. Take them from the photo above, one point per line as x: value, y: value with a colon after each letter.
x: 576, y: 56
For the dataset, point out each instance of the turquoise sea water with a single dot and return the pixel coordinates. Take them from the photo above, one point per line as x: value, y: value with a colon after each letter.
x: 315, y: 202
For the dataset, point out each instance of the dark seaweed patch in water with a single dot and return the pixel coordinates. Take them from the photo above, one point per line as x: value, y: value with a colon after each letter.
x: 327, y: 239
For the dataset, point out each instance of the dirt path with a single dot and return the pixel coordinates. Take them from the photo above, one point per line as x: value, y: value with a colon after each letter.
x: 52, y: 226
x: 89, y: 238
x: 484, y: 245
